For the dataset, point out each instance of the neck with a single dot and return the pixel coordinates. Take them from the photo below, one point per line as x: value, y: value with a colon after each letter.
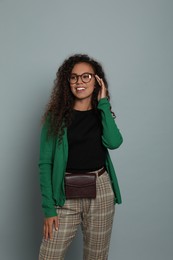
x: 82, y: 105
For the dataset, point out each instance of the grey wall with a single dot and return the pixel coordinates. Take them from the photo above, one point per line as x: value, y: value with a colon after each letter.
x: 133, y: 39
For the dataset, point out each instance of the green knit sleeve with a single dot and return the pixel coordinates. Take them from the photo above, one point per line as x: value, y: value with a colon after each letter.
x: 111, y: 136
x: 45, y: 171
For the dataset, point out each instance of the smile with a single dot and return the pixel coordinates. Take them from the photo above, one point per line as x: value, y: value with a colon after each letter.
x: 80, y: 88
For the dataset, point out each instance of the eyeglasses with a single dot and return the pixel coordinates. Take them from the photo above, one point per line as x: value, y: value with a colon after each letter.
x: 85, y: 77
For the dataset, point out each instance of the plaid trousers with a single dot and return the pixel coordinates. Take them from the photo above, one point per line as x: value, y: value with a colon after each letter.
x: 95, y: 217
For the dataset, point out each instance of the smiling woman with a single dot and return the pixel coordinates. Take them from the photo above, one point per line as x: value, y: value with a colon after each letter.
x: 78, y: 129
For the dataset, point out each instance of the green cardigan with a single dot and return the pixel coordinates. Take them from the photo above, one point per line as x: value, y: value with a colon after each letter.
x: 53, y: 160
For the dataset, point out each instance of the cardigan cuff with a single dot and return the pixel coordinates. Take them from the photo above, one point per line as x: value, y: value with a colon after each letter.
x: 103, y: 101
x: 48, y: 213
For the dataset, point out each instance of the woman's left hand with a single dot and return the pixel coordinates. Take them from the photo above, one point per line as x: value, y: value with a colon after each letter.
x: 103, y: 92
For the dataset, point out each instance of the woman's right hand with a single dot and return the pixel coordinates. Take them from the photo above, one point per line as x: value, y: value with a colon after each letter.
x: 103, y: 91
x: 49, y: 224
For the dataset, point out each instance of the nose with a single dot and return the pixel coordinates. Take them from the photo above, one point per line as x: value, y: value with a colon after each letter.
x: 79, y: 80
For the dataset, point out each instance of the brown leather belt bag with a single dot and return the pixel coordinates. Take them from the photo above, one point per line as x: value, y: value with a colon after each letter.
x: 80, y: 185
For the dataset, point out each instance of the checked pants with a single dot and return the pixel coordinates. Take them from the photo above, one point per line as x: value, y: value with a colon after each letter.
x: 95, y: 217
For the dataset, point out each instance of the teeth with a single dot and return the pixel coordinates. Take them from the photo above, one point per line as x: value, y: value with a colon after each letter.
x: 80, y: 88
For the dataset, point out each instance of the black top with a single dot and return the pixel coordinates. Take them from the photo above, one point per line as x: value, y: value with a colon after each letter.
x: 86, y: 152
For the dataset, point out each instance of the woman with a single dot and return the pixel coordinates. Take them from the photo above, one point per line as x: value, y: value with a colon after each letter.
x: 78, y: 130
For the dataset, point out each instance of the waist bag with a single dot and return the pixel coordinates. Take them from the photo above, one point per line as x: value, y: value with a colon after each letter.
x: 80, y: 185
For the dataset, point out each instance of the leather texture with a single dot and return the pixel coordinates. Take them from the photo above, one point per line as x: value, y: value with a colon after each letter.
x: 80, y: 185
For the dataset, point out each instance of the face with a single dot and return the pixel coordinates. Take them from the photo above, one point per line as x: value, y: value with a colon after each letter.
x: 82, y: 86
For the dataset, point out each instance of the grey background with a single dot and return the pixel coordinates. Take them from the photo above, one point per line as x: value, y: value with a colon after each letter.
x: 133, y: 40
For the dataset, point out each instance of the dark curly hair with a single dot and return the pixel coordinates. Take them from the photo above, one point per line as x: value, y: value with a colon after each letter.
x: 60, y: 106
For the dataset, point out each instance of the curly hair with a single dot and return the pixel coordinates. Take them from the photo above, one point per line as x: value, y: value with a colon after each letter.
x: 60, y: 107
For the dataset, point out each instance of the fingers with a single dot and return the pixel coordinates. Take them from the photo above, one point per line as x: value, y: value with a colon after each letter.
x: 49, y: 223
x: 50, y: 228
x: 103, y: 91
x: 45, y: 233
x: 56, y: 223
x: 99, y: 80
